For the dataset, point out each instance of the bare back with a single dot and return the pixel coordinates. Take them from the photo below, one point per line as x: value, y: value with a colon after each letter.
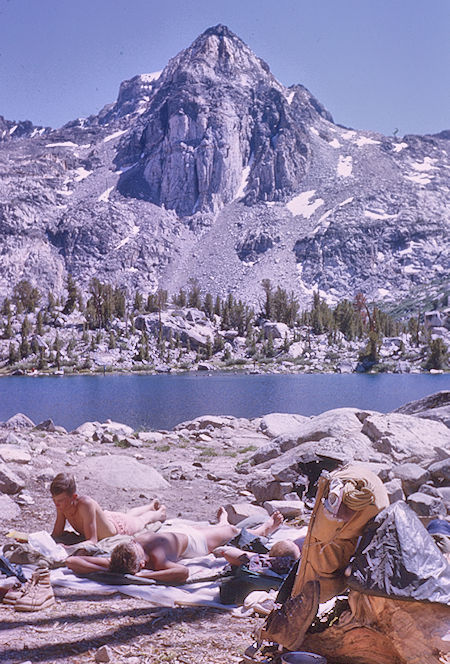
x: 85, y: 513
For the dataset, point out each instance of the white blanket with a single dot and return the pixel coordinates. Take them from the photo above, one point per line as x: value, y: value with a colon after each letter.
x: 192, y: 594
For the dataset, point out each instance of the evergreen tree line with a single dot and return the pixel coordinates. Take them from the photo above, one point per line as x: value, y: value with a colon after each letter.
x: 105, y: 303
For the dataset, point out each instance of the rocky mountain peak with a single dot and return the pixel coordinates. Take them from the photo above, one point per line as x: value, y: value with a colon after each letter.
x: 218, y: 54
x: 219, y: 127
x: 214, y: 170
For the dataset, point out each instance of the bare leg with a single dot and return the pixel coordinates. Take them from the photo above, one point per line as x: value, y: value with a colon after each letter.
x: 143, y: 509
x: 218, y: 535
x: 270, y: 526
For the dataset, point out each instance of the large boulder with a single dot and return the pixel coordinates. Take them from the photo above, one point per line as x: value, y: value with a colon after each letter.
x: 277, y: 330
x: 394, y: 490
x: 338, y: 422
x: 436, y: 400
x: 279, y: 424
x: 406, y: 438
x: 264, y: 487
x: 433, y: 407
x: 87, y: 429
x: 425, y: 505
x: 190, y: 326
x: 440, y: 470
x: 122, y: 472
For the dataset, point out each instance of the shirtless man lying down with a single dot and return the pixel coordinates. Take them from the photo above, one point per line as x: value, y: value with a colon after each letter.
x: 156, y: 555
x: 92, y: 522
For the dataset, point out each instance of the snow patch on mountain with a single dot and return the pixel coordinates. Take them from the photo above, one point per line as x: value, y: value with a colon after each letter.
x: 345, y: 166
x: 426, y: 165
x: 335, y: 144
x: 302, y: 205
x: 63, y: 144
x: 365, y: 140
x: 115, y: 135
x: 105, y: 196
x: 378, y: 214
x: 82, y: 174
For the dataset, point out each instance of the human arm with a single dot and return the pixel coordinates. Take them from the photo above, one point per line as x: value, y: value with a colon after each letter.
x: 172, y: 573
x: 89, y: 518
x: 60, y: 522
x: 87, y: 564
x: 234, y: 556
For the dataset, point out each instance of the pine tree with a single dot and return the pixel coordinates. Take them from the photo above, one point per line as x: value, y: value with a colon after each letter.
x: 39, y: 323
x: 72, y: 295
x: 437, y: 357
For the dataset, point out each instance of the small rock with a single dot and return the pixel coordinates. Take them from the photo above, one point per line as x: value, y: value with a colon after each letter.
x: 46, y: 475
x: 411, y: 475
x: 103, y: 654
x: 12, y: 454
x: 9, y: 482
x: 8, y: 508
x: 46, y: 425
x: 395, y: 490
x: 150, y: 436
x: 25, y: 498
x: 425, y: 505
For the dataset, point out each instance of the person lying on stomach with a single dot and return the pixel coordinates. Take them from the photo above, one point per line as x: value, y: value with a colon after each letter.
x: 91, y: 521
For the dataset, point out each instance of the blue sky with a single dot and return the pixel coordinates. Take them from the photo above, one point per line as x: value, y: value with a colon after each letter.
x: 375, y: 64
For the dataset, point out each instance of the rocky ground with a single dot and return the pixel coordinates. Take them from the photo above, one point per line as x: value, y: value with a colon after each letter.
x: 198, y: 466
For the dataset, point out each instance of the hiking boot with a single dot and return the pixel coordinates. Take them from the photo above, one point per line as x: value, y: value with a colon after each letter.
x: 38, y: 595
x: 289, y: 624
x: 13, y: 594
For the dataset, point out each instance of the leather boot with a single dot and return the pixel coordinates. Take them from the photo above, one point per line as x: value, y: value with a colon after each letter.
x: 16, y: 593
x: 39, y: 595
x: 289, y: 624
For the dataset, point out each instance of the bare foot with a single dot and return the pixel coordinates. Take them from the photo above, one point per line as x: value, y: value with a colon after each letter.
x: 222, y: 517
x: 277, y: 519
x: 271, y: 525
x: 161, y: 512
x: 155, y: 504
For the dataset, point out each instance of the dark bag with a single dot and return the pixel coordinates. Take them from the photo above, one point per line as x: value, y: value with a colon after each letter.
x: 247, y: 541
x: 234, y: 589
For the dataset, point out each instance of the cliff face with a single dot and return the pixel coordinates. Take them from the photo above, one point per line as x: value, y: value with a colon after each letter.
x: 212, y: 169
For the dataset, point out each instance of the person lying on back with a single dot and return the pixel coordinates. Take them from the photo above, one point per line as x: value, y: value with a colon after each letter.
x: 92, y: 522
x: 156, y: 555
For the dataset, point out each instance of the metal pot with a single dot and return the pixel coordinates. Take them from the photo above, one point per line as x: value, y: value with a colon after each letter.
x: 302, y: 658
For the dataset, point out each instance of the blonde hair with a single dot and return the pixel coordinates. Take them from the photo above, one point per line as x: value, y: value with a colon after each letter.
x: 284, y: 548
x: 125, y: 559
x: 63, y: 483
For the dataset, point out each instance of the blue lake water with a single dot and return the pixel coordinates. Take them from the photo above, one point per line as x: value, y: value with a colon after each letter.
x: 161, y: 402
